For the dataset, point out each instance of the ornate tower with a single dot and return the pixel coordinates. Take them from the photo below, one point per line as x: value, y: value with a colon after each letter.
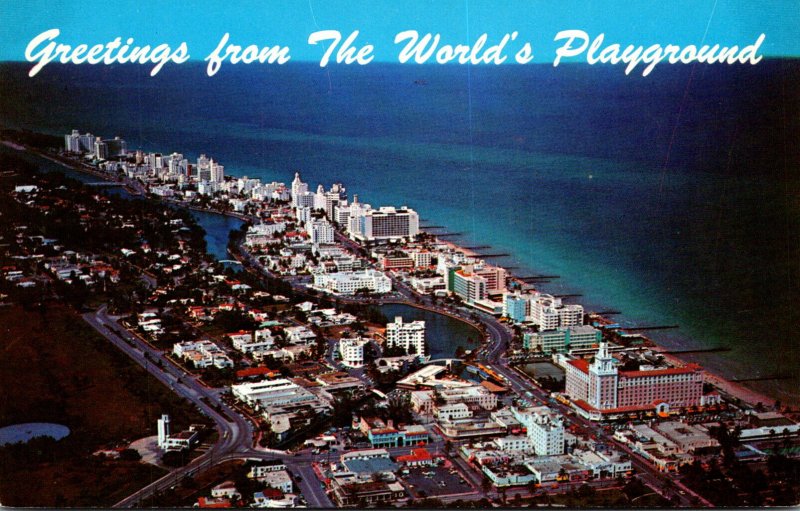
x: 603, y: 378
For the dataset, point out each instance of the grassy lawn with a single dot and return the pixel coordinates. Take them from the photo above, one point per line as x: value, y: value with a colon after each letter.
x: 56, y: 368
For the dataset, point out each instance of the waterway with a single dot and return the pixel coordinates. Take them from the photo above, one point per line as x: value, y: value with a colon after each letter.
x: 25, y: 432
x: 217, y: 228
x: 443, y: 334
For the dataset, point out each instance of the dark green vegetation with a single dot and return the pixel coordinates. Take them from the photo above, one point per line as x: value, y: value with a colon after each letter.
x: 55, y: 368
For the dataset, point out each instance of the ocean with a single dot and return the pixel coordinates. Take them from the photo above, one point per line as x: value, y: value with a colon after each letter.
x: 672, y: 198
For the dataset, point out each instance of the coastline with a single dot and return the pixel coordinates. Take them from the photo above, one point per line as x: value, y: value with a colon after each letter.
x: 725, y: 386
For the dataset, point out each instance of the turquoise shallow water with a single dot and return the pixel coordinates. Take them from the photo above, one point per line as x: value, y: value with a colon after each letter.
x: 672, y: 198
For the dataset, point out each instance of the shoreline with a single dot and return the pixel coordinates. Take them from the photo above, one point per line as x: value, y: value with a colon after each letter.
x: 724, y: 386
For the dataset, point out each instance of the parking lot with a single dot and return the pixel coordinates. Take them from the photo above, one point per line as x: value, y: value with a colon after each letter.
x: 435, y: 481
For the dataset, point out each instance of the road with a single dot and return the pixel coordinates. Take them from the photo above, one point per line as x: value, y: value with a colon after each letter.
x: 235, y: 435
x: 493, y: 355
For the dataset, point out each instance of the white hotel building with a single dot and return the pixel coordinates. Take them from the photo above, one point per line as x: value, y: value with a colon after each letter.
x: 550, y: 313
x: 321, y: 232
x: 386, y: 223
x: 272, y: 393
x: 406, y: 335
x: 545, y: 429
x: 348, y: 282
x: 352, y: 351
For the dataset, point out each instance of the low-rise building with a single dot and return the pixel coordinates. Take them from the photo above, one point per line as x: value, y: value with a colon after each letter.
x: 687, y: 437
x: 226, y: 490
x: 352, y: 351
x: 348, y: 282
x: 348, y: 492
x: 416, y: 458
x: 562, y: 340
x: 202, y: 354
x: 453, y: 411
x: 301, y: 335
x: 265, y: 467
x: 278, y: 479
x: 473, y: 427
x: 514, y: 443
x: 280, y: 393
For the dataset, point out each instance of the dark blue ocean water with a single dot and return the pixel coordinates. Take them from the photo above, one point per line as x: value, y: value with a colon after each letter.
x: 673, y: 198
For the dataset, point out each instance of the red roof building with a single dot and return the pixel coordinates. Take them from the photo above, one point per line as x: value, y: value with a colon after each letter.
x: 209, y: 503
x: 417, y: 458
x: 602, y: 388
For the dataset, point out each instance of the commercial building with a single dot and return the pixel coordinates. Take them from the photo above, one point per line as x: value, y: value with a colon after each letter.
x: 472, y: 427
x: 421, y: 258
x: 330, y: 200
x: 513, y: 443
x: 395, y: 262
x: 208, y: 171
x: 181, y: 440
x: 265, y: 467
x: 263, y: 233
x: 687, y: 437
x: 515, y: 307
x: 275, y: 393
x: 110, y: 148
x: 453, y: 411
x: 349, y: 492
x: 562, y: 340
x: 406, y: 335
x: 474, y: 396
x: 494, y: 276
x: 385, y: 434
x: 299, y: 188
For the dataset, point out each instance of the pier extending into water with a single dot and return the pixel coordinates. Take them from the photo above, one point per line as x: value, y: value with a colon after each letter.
x: 534, y: 278
x: 638, y: 328
x: 718, y: 349
x: 764, y: 378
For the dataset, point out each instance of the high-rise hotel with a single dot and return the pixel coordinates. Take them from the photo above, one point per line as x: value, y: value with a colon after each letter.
x: 386, y: 223
x: 601, y: 389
